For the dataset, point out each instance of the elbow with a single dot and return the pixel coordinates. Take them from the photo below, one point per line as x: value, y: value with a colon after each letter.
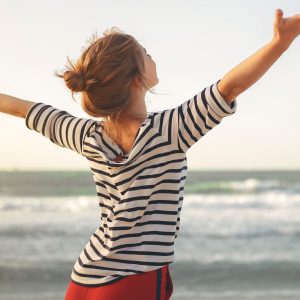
x: 231, y: 97
x: 228, y: 94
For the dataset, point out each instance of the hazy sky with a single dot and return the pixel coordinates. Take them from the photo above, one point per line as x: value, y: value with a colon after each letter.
x: 194, y: 44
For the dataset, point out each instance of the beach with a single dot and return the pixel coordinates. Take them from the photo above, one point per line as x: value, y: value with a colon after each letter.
x: 239, y: 236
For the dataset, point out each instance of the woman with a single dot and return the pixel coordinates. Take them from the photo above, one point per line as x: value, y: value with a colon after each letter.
x: 138, y: 160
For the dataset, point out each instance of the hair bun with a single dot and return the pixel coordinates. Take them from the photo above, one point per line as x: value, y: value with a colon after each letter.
x: 75, y: 81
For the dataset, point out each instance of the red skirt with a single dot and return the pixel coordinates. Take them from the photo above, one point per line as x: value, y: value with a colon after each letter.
x: 153, y: 285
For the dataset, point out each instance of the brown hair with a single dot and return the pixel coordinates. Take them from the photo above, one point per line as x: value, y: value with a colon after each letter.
x: 104, y: 73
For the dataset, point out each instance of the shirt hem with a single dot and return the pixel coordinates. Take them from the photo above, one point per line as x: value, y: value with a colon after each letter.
x: 98, y: 284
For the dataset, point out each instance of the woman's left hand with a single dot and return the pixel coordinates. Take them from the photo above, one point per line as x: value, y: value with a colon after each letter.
x: 285, y: 29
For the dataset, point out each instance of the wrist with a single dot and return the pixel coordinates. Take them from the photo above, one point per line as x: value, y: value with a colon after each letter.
x: 280, y: 44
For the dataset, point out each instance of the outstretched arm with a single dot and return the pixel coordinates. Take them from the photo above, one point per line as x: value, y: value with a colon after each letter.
x: 250, y: 70
x: 194, y: 118
x: 59, y: 126
x: 14, y: 106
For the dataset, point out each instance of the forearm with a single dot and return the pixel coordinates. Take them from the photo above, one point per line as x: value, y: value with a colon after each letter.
x: 14, y: 106
x: 241, y: 77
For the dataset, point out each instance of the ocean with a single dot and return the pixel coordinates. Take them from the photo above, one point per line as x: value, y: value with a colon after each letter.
x: 239, y: 236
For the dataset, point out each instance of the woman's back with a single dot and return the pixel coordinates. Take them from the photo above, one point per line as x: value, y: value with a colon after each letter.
x: 125, y: 137
x: 140, y: 196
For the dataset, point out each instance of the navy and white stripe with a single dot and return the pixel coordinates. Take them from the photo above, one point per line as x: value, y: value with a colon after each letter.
x: 140, y: 198
x: 59, y: 126
x: 197, y: 116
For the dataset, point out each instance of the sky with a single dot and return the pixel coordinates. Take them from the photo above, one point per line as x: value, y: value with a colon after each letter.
x: 194, y: 44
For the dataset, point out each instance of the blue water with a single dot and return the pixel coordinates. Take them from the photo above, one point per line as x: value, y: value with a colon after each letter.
x: 239, y: 236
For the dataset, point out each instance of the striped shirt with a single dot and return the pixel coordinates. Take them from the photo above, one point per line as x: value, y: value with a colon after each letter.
x: 140, y: 197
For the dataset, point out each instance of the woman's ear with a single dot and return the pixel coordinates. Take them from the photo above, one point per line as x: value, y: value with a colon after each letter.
x: 136, y: 81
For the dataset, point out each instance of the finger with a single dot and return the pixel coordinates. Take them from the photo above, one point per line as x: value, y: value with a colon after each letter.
x: 278, y: 16
x: 279, y: 13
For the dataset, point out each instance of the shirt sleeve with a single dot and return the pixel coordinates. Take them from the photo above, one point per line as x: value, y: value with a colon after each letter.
x: 192, y: 119
x: 59, y: 126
